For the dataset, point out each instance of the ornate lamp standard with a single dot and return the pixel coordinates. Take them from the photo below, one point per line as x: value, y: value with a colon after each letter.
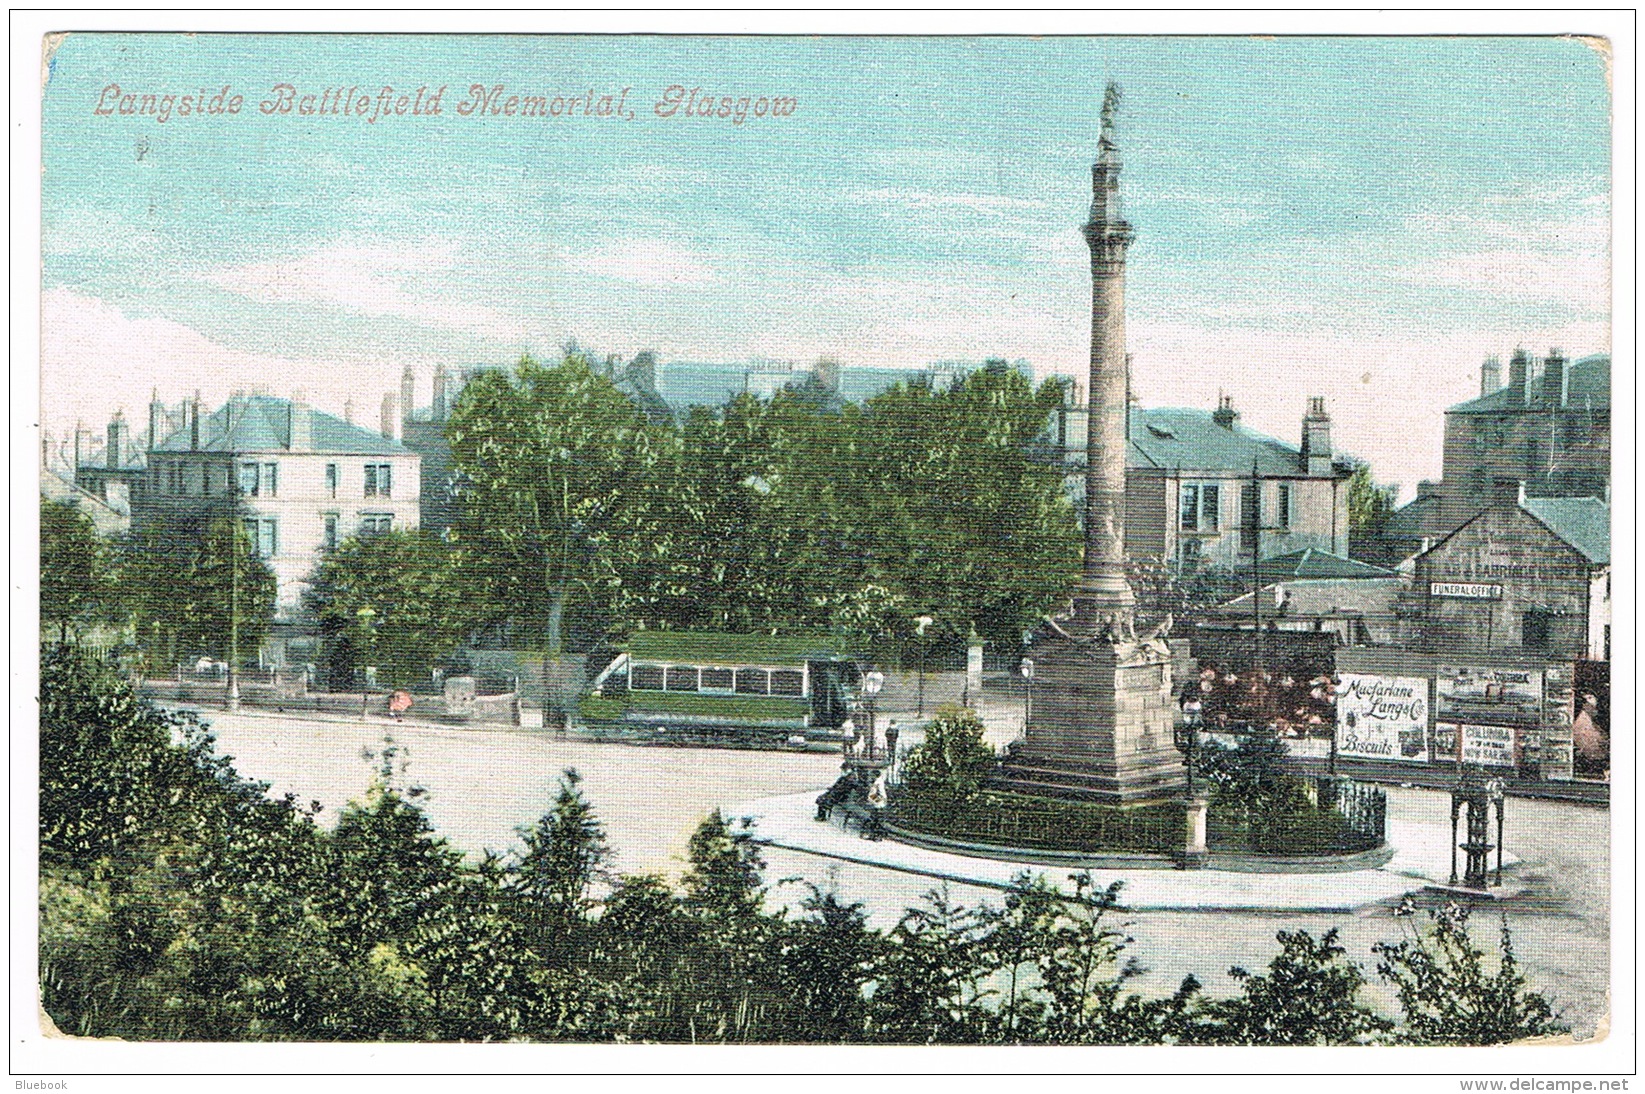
x: 872, y: 682
x: 1027, y: 669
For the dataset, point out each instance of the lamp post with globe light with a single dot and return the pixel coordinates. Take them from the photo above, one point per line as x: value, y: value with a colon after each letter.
x: 872, y: 682
x: 1027, y: 670
x: 920, y: 624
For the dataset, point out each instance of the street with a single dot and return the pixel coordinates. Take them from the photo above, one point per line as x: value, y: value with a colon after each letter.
x: 482, y: 784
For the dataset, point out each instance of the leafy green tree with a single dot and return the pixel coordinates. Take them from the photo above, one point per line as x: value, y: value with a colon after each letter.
x: 417, y: 593
x: 724, y: 878
x: 949, y: 766
x: 1308, y: 996
x: 553, y: 468
x: 565, y: 856
x: 825, y: 962
x: 964, y: 519
x: 1083, y: 978
x: 931, y: 987
x: 1370, y: 504
x: 74, y: 567
x: 1450, y: 994
x: 195, y: 588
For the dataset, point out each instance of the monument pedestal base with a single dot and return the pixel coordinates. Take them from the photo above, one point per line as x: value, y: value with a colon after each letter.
x: 1103, y: 722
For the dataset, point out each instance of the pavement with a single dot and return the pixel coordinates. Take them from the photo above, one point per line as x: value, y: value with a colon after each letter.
x: 1421, y: 861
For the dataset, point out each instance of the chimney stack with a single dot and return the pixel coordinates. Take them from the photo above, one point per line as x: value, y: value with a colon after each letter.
x: 391, y: 417
x: 408, y: 396
x: 1316, y: 439
x: 1554, y: 375
x: 1225, y: 415
x: 1490, y: 376
x: 1427, y: 488
x: 301, y: 436
x: 348, y: 411
x: 117, y: 429
x: 1518, y: 367
x: 440, y: 407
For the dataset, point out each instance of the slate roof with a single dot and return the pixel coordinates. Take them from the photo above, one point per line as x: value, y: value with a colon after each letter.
x: 1314, y: 564
x: 1172, y: 438
x: 262, y: 423
x: 1415, y: 520
x: 1588, y: 386
x: 1584, y: 523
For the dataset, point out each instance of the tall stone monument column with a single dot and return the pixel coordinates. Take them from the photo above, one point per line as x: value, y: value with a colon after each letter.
x: 1104, y: 711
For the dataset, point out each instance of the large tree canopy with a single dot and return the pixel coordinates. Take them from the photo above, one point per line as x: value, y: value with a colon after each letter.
x: 399, y: 601
x: 193, y: 589
x: 74, y: 567
x: 552, y: 464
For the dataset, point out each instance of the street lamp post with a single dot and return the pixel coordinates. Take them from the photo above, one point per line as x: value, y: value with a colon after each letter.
x: 1027, y: 692
x: 872, y: 682
x: 368, y: 633
x: 920, y: 624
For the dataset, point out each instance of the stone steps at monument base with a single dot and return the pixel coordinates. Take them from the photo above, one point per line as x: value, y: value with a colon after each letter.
x: 1039, y: 778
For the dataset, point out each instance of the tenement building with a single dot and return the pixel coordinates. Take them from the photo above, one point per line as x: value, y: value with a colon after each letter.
x: 1547, y: 425
x: 1203, y: 490
x: 299, y: 480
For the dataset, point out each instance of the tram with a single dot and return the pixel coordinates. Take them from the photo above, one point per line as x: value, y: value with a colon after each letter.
x: 745, y: 690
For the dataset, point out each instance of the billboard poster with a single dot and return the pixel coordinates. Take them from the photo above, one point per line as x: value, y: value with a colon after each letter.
x: 1491, y: 746
x: 1383, y: 717
x: 1507, y: 696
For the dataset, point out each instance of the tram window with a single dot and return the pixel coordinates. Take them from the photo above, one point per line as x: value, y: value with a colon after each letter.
x: 718, y: 679
x: 787, y: 682
x: 646, y: 678
x: 682, y: 679
x: 753, y: 682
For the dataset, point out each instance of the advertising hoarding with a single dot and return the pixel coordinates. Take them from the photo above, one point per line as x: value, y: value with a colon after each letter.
x: 1383, y: 717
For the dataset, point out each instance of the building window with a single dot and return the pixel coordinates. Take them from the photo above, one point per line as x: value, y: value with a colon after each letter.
x: 248, y: 479
x: 1201, y: 507
x: 718, y: 679
x: 376, y: 524
x: 331, y: 480
x: 271, y: 479
x: 331, y: 531
x: 1535, y: 628
x: 753, y: 682
x: 1282, y: 517
x: 379, y: 480
x: 646, y: 678
x: 787, y: 682
x: 263, y: 535
x: 681, y: 678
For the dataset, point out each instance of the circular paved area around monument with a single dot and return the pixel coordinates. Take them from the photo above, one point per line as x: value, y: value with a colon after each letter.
x: 1420, y: 861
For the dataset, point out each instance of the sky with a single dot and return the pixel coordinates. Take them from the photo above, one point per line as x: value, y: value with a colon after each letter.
x: 1360, y: 218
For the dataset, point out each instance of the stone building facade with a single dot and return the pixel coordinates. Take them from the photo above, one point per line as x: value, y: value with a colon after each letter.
x: 1190, y: 492
x: 299, y: 480
x: 1527, y: 576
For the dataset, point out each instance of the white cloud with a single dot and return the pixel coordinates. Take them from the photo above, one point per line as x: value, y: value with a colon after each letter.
x: 96, y: 359
x: 991, y: 205
x: 649, y: 262
x: 421, y: 283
